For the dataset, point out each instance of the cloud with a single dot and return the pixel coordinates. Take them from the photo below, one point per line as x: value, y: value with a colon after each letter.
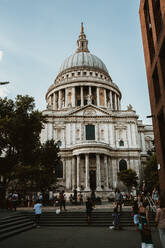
x: 1, y: 55
x: 3, y: 91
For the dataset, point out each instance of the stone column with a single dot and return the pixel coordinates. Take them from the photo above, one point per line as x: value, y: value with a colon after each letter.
x: 98, y: 173
x: 98, y: 97
x: 59, y: 99
x: 54, y: 101
x: 115, y: 100
x: 133, y: 133
x: 90, y: 90
x: 119, y: 104
x: 110, y: 96
x: 110, y: 172
x: 66, y: 99
x: 78, y: 172
x: 106, y: 172
x: 105, y: 98
x: 142, y: 142
x: 82, y: 97
x: 73, y: 97
x: 68, y: 174
x: 87, y: 172
x: 114, y: 173
x: 73, y: 173
x: 64, y: 168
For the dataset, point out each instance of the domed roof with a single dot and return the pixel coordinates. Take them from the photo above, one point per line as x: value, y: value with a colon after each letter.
x: 81, y: 59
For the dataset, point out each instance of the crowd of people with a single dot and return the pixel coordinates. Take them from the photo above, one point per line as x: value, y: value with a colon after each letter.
x: 141, y: 204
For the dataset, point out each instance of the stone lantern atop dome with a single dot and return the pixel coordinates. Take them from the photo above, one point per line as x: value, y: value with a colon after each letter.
x: 82, y: 42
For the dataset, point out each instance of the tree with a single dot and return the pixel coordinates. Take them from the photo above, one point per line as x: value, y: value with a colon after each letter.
x: 129, y: 178
x: 151, y: 176
x: 20, y: 127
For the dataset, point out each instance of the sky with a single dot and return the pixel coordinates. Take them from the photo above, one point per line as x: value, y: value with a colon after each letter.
x: 37, y: 35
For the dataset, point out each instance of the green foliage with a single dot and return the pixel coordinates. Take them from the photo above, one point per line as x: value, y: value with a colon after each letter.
x: 151, y: 176
x: 128, y: 177
x: 24, y: 161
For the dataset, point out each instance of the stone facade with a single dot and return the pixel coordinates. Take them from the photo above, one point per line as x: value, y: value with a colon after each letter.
x: 97, y: 137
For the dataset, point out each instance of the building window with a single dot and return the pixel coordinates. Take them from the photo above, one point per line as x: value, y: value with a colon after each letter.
x: 157, y: 16
x: 162, y: 61
x: 96, y: 74
x: 90, y: 132
x: 72, y: 74
x: 149, y: 30
x: 59, y: 170
x: 78, y: 73
x: 161, y: 123
x: 121, y: 143
x: 84, y: 73
x: 122, y: 165
x: 78, y: 102
x: 91, y: 73
x: 156, y: 85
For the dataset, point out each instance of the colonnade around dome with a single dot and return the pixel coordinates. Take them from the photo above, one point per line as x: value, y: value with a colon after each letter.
x: 76, y: 96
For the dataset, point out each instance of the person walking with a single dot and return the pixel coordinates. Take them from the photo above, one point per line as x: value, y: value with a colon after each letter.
x: 118, y: 199
x: 62, y: 199
x: 160, y: 221
x: 144, y: 228
x: 89, y: 210
x: 135, y: 210
x: 116, y: 219
x: 93, y: 198
x: 38, y: 210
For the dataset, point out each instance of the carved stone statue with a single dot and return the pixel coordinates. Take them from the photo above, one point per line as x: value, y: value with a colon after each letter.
x: 109, y: 105
x: 129, y: 107
x: 89, y: 99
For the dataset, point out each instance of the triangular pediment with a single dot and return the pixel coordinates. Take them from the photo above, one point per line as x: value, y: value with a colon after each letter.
x: 89, y: 110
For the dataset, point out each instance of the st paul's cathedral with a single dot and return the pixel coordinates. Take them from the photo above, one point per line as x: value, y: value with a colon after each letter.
x: 97, y: 138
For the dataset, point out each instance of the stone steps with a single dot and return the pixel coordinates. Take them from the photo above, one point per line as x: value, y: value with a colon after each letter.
x: 79, y: 219
x: 14, y: 224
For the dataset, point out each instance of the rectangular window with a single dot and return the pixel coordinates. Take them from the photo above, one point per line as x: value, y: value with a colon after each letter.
x: 161, y: 122
x: 162, y: 61
x: 157, y: 16
x: 78, y: 102
x: 149, y: 30
x: 90, y: 132
x: 155, y: 79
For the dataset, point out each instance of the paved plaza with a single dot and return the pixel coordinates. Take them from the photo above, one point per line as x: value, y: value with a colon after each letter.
x: 77, y: 237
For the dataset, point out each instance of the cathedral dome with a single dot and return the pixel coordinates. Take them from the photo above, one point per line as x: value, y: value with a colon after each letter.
x: 83, y: 59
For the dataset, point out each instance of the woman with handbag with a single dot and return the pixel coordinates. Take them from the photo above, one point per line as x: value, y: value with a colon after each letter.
x: 144, y: 228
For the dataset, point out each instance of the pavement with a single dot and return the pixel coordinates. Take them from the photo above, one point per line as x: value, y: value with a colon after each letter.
x: 77, y: 237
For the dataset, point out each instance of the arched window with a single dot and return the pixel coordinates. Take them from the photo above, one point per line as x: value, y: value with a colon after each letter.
x: 121, y: 143
x: 122, y: 165
x: 59, y: 170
